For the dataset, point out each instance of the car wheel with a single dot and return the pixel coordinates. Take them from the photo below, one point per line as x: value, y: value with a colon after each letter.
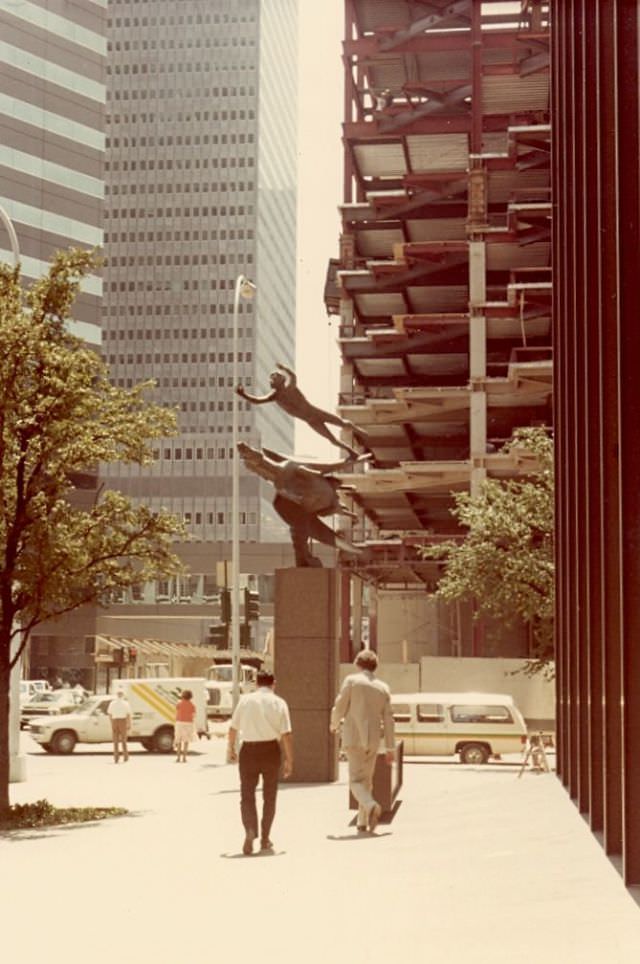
x: 148, y: 745
x: 163, y: 739
x: 63, y: 741
x: 47, y: 747
x: 474, y: 753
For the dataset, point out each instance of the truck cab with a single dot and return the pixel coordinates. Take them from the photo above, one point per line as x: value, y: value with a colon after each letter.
x: 223, y: 673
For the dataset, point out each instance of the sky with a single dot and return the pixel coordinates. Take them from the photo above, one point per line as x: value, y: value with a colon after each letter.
x: 320, y: 115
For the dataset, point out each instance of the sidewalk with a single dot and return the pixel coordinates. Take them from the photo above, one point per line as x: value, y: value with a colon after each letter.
x: 477, y: 866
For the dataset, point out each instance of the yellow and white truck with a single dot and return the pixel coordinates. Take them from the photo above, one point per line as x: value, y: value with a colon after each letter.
x: 153, y: 712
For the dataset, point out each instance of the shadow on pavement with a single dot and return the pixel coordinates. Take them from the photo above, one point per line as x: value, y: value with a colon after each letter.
x: 358, y: 836
x: 259, y: 853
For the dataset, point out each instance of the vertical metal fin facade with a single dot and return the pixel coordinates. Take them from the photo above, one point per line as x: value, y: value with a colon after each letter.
x: 596, y: 312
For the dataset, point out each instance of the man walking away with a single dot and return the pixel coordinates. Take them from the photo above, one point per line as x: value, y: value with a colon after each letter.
x: 261, y: 722
x: 364, y: 703
x: 120, y: 712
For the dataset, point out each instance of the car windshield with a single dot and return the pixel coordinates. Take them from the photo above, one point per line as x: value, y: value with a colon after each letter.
x: 95, y: 704
x: 222, y: 673
x: 58, y: 696
x: 45, y: 698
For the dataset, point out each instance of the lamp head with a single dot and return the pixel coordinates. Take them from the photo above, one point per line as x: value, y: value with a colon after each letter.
x: 247, y: 288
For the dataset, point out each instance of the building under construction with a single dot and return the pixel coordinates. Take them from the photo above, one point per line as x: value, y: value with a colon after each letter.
x: 443, y: 288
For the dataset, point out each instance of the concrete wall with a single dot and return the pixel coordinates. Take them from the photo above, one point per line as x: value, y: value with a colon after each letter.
x: 407, y: 626
x: 534, y: 696
x: 412, y: 625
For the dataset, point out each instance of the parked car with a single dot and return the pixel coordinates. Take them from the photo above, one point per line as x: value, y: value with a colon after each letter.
x: 41, y: 685
x: 51, y: 704
x: 475, y: 726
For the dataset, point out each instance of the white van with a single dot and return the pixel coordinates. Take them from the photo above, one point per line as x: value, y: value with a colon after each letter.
x: 476, y: 726
x: 153, y: 712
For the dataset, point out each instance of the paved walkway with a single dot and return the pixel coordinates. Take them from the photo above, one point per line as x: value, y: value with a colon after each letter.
x: 477, y: 866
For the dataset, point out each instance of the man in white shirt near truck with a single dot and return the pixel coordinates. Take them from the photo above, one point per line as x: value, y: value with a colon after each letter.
x: 119, y: 710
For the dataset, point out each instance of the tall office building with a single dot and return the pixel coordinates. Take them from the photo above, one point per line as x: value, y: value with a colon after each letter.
x: 52, y: 104
x: 200, y: 188
x: 52, y: 96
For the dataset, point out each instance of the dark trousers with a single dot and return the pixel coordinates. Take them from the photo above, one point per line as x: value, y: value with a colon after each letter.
x: 259, y: 759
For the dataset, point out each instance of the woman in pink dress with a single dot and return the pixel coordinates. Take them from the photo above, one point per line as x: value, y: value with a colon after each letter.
x: 184, y: 728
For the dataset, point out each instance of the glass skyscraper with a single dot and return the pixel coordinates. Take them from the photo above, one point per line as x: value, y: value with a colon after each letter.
x: 200, y: 188
x: 52, y: 97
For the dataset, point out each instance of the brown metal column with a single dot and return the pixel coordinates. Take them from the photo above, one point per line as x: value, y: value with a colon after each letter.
x: 595, y: 49
x: 346, y: 645
x: 580, y: 503
x: 629, y: 299
x: 610, y: 509
x: 567, y: 425
x: 560, y: 382
x: 591, y: 298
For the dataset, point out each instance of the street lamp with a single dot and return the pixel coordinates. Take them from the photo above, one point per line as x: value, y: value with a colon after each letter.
x: 16, y: 759
x: 13, y: 237
x: 244, y: 289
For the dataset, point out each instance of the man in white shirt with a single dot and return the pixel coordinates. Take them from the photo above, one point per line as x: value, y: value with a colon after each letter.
x: 261, y: 722
x: 120, y: 712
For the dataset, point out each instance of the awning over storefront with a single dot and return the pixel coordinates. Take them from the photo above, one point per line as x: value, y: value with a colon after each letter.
x: 129, y: 649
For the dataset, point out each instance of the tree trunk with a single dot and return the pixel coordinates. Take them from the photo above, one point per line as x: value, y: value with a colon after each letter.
x: 5, y: 681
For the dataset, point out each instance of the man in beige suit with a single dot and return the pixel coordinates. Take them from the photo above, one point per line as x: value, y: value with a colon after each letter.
x: 364, y: 703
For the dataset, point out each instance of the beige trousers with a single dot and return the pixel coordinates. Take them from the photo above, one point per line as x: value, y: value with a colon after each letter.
x: 362, y: 763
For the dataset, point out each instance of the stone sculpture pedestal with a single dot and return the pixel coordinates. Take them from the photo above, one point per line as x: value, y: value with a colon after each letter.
x: 306, y: 666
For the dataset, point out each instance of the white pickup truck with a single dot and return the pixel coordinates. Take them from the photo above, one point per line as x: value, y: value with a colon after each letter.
x: 153, y: 702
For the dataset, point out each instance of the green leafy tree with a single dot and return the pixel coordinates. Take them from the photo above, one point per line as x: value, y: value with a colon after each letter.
x: 59, y: 418
x: 505, y: 562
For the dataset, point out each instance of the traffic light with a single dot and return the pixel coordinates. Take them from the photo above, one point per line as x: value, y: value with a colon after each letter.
x: 251, y: 606
x: 225, y: 606
x: 219, y: 636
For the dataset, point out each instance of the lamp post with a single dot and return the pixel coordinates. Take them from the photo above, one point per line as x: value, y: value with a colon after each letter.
x: 243, y: 289
x: 13, y: 237
x: 17, y: 761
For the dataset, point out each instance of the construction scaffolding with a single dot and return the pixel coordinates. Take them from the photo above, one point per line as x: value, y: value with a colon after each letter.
x: 443, y: 282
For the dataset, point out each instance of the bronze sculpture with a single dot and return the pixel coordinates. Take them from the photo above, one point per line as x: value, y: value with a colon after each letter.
x: 305, y: 491
x: 286, y: 394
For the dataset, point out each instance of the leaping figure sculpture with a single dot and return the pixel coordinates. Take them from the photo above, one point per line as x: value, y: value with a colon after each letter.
x: 286, y: 394
x: 305, y: 491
